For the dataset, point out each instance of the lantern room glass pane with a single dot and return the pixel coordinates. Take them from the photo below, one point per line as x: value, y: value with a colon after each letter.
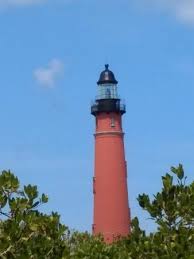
x: 107, y: 91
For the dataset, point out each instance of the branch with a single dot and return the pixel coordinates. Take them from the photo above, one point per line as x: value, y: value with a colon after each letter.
x: 5, y: 214
x: 6, y: 251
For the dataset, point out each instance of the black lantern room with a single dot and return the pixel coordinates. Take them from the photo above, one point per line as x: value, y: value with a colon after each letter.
x: 107, y: 99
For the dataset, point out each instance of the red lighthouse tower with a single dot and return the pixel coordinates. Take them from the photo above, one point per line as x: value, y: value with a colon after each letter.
x: 111, y: 210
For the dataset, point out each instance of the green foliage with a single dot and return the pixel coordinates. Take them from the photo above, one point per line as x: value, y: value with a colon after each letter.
x: 25, y: 232
x: 173, y: 211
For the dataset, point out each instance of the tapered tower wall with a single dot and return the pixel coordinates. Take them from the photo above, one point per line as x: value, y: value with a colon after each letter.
x: 111, y: 212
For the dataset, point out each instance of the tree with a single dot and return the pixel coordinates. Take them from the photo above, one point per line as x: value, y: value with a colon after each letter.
x: 172, y: 209
x: 25, y: 232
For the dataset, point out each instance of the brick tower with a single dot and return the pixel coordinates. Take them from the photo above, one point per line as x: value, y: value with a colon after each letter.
x: 111, y: 210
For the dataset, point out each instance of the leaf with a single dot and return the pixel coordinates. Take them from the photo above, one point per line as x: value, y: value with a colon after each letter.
x: 167, y: 181
x: 3, y: 201
x: 44, y: 198
x: 35, y: 205
x: 31, y: 191
x: 179, y: 171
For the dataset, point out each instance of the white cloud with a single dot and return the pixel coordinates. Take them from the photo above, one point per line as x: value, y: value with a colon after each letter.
x: 183, y: 10
x: 48, y: 76
x: 12, y: 3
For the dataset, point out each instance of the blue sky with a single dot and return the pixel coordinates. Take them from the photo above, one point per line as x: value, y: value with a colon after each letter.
x: 51, y: 55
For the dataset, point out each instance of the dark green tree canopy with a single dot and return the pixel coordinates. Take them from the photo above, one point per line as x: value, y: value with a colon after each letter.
x: 25, y: 232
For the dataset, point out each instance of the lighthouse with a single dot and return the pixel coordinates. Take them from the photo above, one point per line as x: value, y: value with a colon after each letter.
x: 111, y: 207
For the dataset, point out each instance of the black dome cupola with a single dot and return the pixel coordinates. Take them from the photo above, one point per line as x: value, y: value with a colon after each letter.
x: 107, y: 77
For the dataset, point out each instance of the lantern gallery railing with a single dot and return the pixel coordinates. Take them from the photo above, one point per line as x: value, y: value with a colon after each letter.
x: 108, y: 105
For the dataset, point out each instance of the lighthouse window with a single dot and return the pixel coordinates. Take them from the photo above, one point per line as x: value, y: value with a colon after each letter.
x: 112, y: 122
x: 108, y: 91
x: 94, y: 185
